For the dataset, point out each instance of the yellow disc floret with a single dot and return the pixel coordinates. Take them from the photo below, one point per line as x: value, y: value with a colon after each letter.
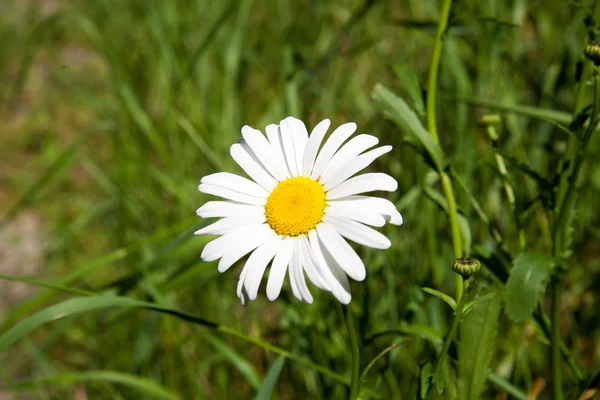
x: 295, y: 206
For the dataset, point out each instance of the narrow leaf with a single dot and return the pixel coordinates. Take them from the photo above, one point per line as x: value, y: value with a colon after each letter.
x: 80, y: 305
x: 561, y: 117
x: 469, y: 306
x: 451, y: 302
x: 146, y: 386
x: 478, y: 333
x: 410, y: 81
x: 526, y: 282
x: 240, y: 363
x: 398, y: 111
x: 425, y: 379
x: 266, y: 390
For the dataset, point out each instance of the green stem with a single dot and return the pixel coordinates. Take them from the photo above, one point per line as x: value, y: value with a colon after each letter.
x: 434, y: 68
x: 544, y: 324
x: 555, y: 289
x: 455, y: 227
x: 451, y: 334
x: 560, y: 241
x: 355, y: 382
x: 431, y: 125
x: 566, y: 207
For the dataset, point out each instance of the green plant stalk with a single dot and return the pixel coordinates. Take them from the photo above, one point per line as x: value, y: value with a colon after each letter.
x: 434, y: 68
x: 559, y: 246
x: 450, y: 337
x: 354, y: 382
x: 431, y: 126
x: 544, y: 324
x: 555, y: 289
x: 456, y: 235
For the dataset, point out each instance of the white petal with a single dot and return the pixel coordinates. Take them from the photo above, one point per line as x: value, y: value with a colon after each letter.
x: 257, y: 264
x: 279, y: 268
x: 234, y: 245
x: 228, y: 209
x: 300, y: 138
x: 287, y: 143
x: 363, y: 215
x: 274, y: 136
x: 312, y: 146
x: 263, y: 150
x: 232, y: 240
x: 334, y: 142
x: 345, y: 256
x: 246, y: 245
x: 245, y: 159
x: 358, y: 232
x: 241, y: 292
x: 395, y: 218
x: 362, y: 184
x: 235, y: 182
x: 339, y: 275
x: 371, y: 204
x: 309, y: 264
x: 353, y: 166
x: 340, y: 290
x: 297, y: 281
x: 230, y: 224
x: 231, y: 194
x: 348, y: 152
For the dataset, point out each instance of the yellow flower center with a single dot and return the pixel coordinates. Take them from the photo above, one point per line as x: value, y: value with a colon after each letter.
x: 295, y: 206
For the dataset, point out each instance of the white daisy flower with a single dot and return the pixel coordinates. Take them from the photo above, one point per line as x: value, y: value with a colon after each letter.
x: 299, y: 206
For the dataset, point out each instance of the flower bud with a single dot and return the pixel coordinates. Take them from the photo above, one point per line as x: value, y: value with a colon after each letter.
x: 490, y: 119
x: 592, y: 52
x: 466, y: 266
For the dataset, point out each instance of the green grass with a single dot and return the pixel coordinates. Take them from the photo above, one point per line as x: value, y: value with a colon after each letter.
x: 111, y: 112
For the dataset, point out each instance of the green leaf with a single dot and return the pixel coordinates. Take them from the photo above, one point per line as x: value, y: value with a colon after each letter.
x: 478, y: 332
x: 86, y: 270
x: 445, y: 380
x: 398, y: 111
x: 451, y: 302
x: 425, y: 379
x: 469, y: 306
x: 410, y: 82
x: 526, y: 282
x: 80, y: 305
x: 146, y: 386
x: 240, y: 363
x: 271, y: 379
x: 561, y: 117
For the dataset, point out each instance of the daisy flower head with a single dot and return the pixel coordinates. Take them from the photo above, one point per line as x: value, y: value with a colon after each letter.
x: 302, y: 200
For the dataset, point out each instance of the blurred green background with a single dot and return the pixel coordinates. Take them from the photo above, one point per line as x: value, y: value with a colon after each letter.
x: 112, y: 110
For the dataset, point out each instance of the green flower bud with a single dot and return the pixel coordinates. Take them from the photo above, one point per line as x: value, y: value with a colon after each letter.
x: 466, y: 266
x: 592, y: 52
x: 490, y: 119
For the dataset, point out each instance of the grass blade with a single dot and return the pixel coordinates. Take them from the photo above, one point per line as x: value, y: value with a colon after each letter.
x: 268, y: 386
x: 143, y: 385
x: 241, y: 364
